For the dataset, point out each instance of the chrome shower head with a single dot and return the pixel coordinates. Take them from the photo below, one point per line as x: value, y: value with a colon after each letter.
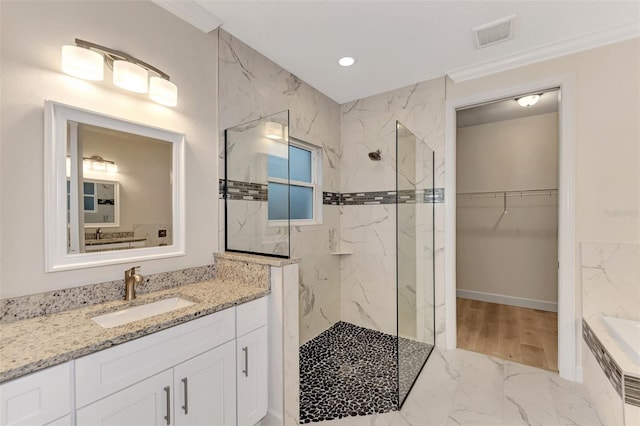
x: 375, y: 156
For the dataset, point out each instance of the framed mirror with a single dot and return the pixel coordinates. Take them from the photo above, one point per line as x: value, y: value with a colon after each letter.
x: 114, y: 190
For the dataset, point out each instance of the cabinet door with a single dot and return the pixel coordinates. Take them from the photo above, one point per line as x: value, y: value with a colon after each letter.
x: 145, y: 403
x: 36, y: 399
x: 205, y: 388
x: 252, y: 376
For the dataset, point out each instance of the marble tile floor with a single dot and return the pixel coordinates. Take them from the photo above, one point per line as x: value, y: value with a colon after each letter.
x: 466, y: 388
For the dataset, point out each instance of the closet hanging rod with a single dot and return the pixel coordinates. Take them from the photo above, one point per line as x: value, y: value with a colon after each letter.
x: 511, y: 193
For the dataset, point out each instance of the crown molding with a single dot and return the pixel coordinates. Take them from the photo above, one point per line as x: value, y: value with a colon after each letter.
x: 549, y: 51
x: 191, y: 12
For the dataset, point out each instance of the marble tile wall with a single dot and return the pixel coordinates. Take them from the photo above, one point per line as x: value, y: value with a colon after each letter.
x: 368, y: 277
x: 251, y: 86
x: 611, y: 279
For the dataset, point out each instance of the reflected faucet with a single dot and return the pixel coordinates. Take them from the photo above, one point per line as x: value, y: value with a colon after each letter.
x: 98, y: 233
x: 130, y: 281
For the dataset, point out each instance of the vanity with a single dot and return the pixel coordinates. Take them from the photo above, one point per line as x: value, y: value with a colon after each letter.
x: 210, y: 368
x: 223, y: 359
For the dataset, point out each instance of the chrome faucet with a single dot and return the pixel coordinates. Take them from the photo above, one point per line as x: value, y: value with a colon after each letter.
x: 98, y: 233
x: 130, y: 281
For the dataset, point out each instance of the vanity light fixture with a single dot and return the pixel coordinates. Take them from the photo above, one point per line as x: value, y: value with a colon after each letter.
x: 529, y: 100
x: 86, y: 60
x: 98, y: 164
x: 346, y: 61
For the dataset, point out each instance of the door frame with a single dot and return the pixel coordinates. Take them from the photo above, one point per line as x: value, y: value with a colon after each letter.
x: 569, y: 328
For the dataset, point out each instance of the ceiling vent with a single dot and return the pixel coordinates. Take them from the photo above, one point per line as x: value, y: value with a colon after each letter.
x: 493, y: 32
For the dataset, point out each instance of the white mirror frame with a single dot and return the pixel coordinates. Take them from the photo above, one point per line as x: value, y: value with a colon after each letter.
x: 56, y: 116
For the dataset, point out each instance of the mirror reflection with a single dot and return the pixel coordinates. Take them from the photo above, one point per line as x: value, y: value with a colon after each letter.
x: 119, y: 190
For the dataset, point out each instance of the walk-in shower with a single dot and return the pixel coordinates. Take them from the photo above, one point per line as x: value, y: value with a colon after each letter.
x: 348, y: 369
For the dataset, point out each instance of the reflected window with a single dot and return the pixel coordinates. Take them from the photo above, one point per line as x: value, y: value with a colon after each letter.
x: 303, y: 189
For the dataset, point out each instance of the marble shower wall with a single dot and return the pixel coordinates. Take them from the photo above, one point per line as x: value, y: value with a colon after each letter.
x: 368, y: 276
x: 251, y: 86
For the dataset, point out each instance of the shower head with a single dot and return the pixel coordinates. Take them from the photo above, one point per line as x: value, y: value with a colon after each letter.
x: 375, y: 156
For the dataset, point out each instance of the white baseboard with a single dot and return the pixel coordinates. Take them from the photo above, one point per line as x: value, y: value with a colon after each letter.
x: 271, y: 419
x: 523, y: 302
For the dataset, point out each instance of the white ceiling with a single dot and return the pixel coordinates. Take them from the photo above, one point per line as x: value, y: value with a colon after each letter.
x: 398, y: 43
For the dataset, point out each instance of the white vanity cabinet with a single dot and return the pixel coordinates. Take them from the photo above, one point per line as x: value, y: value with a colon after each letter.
x: 43, y: 397
x: 252, y: 361
x: 186, y: 375
x: 200, y: 391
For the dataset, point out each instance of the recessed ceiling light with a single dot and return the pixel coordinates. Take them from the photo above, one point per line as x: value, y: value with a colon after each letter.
x: 527, y: 101
x: 346, y: 61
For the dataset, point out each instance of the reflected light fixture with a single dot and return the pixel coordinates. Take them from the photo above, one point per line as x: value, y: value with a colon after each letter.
x: 86, y: 60
x: 346, y: 61
x: 98, y: 164
x: 529, y: 100
x: 274, y: 130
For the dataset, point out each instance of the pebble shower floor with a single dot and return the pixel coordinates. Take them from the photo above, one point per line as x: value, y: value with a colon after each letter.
x: 352, y: 371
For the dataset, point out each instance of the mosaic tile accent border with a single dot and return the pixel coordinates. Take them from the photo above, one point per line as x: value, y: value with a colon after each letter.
x: 249, y: 191
x: 610, y: 368
x: 35, y: 305
x: 407, y: 196
x: 331, y: 198
x: 108, y: 235
x: 632, y: 390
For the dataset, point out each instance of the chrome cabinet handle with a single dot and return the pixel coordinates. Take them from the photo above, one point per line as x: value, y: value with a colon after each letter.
x: 167, y: 389
x: 185, y: 407
x: 246, y: 361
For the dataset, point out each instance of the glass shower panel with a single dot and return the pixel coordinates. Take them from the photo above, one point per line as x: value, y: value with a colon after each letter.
x: 414, y: 251
x: 257, y: 186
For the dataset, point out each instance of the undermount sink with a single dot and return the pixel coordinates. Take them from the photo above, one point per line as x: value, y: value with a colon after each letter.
x: 136, y: 313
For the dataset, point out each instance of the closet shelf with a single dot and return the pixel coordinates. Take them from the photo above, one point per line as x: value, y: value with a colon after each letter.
x: 511, y: 193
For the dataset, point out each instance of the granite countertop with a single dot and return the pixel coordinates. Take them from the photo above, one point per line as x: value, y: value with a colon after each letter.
x: 113, y: 240
x: 34, y: 344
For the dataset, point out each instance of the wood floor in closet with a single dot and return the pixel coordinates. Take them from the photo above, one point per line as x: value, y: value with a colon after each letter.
x: 523, y: 335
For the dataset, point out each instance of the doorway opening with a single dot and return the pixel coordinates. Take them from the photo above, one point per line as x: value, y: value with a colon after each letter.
x: 569, y: 328
x: 507, y: 228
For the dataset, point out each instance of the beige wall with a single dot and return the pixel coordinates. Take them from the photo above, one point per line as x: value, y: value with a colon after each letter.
x: 512, y: 254
x: 32, y: 35
x: 607, y: 107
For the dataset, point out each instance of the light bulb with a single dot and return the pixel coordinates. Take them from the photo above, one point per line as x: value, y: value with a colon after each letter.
x: 82, y: 63
x: 131, y: 77
x: 527, y: 101
x: 163, y: 91
x: 346, y: 61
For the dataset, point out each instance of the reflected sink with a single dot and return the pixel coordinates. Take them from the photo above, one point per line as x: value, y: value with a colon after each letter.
x: 136, y: 313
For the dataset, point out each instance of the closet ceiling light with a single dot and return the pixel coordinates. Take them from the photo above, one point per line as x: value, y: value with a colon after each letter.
x: 346, y: 61
x: 527, y: 101
x: 86, y: 60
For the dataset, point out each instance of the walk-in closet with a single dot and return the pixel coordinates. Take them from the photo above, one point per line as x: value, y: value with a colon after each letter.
x: 507, y: 228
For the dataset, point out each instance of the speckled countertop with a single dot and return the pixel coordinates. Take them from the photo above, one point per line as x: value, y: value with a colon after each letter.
x: 33, y: 344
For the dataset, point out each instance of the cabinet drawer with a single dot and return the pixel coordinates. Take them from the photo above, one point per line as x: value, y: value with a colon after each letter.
x: 38, y: 398
x: 107, y: 371
x: 251, y: 315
